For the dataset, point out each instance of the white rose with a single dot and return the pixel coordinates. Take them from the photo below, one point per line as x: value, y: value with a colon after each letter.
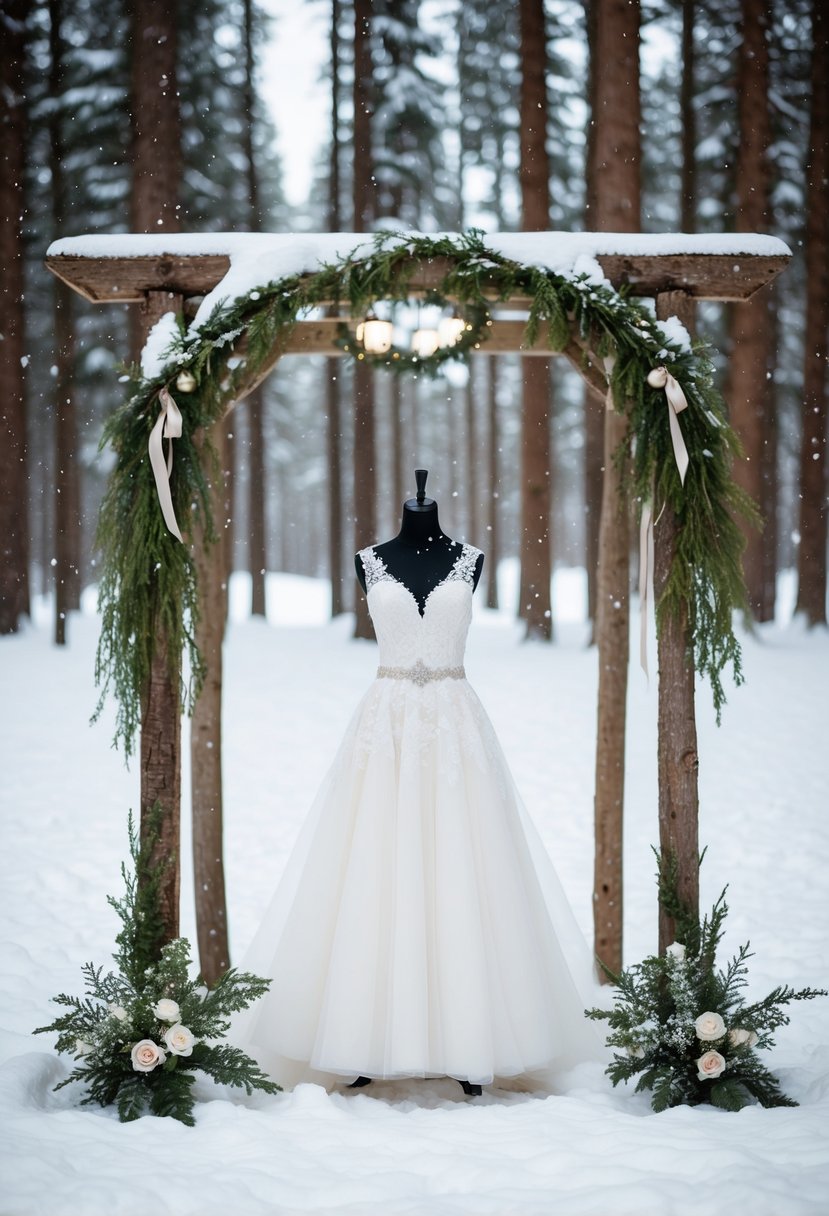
x: 738, y: 1036
x: 180, y: 1040
x: 146, y: 1055
x: 637, y: 1051
x: 166, y: 1010
x: 711, y: 1065
x: 118, y: 1011
x: 676, y: 950
x: 709, y: 1026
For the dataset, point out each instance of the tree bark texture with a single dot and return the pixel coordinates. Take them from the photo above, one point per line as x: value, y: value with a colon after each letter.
x: 255, y: 404
x: 257, y: 541
x: 536, y: 456
x: 335, y: 521
x: 365, y: 481
x: 612, y: 613
x: 206, y: 742
x: 155, y: 125
x: 365, y: 490
x: 472, y: 496
x: 492, y: 518
x: 67, y: 501
x: 535, y: 604
x: 334, y: 404
x: 14, y: 515
x: 678, y: 760
x: 593, y: 418
x: 749, y: 388
x: 156, y: 141
x: 814, y: 505
x: 615, y: 172
x: 161, y: 722
x: 688, y: 122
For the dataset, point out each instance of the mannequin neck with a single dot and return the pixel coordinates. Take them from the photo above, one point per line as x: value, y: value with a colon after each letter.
x: 420, y: 526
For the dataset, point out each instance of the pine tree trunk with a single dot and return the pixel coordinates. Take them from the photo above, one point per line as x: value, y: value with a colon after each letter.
x: 14, y: 515
x: 365, y: 521
x: 334, y: 439
x: 155, y: 124
x: 257, y: 545
x: 492, y: 519
x: 593, y: 417
x: 334, y: 405
x: 535, y: 605
x: 255, y: 403
x: 365, y: 481
x: 472, y: 505
x: 811, y: 558
x: 67, y: 474
x: 398, y: 467
x: 688, y: 121
x: 615, y: 173
x: 225, y: 524
x: 678, y: 760
x: 749, y: 395
x: 206, y: 740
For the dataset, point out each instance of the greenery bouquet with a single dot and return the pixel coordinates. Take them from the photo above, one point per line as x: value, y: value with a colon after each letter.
x: 140, y: 1033
x: 681, y: 1024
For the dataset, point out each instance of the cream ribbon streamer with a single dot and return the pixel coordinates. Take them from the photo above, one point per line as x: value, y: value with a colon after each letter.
x: 168, y: 426
x: 658, y: 377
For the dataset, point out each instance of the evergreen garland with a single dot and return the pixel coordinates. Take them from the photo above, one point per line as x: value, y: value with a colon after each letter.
x: 140, y: 1032
x: 681, y: 1025
x: 148, y: 582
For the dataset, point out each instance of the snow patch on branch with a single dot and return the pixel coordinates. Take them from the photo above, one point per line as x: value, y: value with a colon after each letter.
x: 159, y: 340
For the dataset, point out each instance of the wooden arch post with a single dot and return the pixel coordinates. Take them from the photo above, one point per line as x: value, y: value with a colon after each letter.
x: 160, y: 748
x: 159, y: 282
x: 677, y: 758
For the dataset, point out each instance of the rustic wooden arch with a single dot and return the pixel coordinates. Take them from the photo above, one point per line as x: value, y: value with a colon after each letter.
x: 159, y: 282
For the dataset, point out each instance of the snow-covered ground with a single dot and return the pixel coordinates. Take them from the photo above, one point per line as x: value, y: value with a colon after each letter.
x: 416, y: 1147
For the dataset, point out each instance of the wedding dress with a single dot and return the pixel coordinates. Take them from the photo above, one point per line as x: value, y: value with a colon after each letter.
x: 419, y: 929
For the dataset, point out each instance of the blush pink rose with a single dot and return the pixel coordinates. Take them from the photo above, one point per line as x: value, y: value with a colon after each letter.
x: 710, y: 1065
x: 147, y: 1055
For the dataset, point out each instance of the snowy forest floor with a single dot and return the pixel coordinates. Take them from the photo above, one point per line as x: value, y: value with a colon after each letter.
x: 415, y: 1147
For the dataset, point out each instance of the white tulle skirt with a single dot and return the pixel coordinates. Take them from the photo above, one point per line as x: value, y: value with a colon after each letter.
x: 419, y: 928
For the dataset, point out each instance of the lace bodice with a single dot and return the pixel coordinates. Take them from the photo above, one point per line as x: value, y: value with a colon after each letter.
x: 436, y: 639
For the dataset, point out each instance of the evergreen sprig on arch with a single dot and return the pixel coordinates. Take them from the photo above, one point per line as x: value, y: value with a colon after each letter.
x: 148, y: 580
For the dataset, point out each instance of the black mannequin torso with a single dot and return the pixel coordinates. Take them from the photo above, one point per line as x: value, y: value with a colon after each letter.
x: 421, y: 555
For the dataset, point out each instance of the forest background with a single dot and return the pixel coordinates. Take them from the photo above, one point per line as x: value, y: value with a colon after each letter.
x: 432, y: 127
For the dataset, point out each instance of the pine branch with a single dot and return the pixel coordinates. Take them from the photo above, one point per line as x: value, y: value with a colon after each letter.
x: 230, y: 1066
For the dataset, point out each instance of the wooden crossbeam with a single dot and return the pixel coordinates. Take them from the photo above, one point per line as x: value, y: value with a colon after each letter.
x: 126, y: 280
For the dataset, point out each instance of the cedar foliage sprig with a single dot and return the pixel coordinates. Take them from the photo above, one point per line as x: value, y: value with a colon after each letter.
x: 148, y: 586
x: 657, y: 1003
x: 119, y: 1009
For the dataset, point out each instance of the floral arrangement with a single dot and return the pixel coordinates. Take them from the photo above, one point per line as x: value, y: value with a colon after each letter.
x: 140, y: 1034
x: 682, y: 1026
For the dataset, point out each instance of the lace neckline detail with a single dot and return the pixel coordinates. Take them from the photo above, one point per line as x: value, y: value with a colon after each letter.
x: 462, y: 570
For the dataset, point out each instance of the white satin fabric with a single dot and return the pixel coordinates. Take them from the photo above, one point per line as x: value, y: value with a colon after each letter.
x: 419, y: 928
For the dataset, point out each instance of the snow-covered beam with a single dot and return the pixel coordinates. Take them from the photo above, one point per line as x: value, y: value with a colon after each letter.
x: 123, y: 268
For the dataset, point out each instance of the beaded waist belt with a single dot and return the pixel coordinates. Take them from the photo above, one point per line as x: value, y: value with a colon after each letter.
x: 420, y: 673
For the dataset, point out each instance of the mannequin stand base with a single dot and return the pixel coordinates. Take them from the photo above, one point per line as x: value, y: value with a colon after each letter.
x: 471, y: 1091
